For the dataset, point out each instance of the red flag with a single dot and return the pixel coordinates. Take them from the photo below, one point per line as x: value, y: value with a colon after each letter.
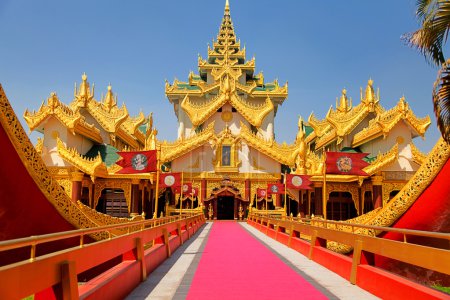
x: 346, y: 163
x: 187, y: 188
x: 261, y: 193
x: 298, y: 182
x: 169, y: 180
x: 275, y: 188
x: 137, y: 162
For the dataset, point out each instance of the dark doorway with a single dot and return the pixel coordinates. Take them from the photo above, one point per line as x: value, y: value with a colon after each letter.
x: 225, y: 208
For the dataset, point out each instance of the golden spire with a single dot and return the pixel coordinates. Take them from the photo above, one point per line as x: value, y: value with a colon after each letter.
x: 369, y: 93
x: 109, y: 101
x: 84, y: 94
x: 344, y: 104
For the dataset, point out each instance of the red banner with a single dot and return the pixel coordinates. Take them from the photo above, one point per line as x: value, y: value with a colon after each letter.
x: 261, y: 193
x: 169, y: 180
x: 275, y: 188
x: 346, y: 163
x: 298, y: 182
x: 187, y: 188
x: 137, y: 162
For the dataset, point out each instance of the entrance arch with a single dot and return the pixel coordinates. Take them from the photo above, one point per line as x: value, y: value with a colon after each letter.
x: 226, y: 202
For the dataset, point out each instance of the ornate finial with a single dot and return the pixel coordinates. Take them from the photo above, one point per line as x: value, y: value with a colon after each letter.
x: 402, y: 105
x: 53, y: 100
x: 227, y: 4
x: 84, y: 94
x: 343, y: 103
x: 109, y: 100
x: 300, y: 122
x: 370, y: 93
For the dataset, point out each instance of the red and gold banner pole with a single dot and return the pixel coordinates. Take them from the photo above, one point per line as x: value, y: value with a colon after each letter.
x: 267, y: 214
x: 285, y: 195
x: 158, y: 154
x: 181, y: 194
x: 324, y: 186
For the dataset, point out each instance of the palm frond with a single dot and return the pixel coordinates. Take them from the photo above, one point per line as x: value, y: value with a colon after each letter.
x: 441, y: 100
x: 434, y: 16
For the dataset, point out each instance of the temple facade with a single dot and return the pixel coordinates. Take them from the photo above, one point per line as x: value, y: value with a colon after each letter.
x: 226, y: 145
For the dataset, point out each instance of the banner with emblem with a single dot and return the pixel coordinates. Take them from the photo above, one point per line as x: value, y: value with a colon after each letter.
x: 171, y: 180
x: 261, y: 193
x: 275, y: 188
x: 346, y: 163
x: 137, y: 162
x: 298, y: 182
x: 186, y: 186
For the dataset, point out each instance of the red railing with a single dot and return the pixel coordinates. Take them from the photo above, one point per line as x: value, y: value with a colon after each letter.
x: 147, y: 244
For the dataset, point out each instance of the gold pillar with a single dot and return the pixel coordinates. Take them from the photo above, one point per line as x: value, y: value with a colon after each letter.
x: 134, y: 209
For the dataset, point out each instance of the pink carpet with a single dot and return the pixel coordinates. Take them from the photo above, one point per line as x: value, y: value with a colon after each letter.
x: 235, y: 265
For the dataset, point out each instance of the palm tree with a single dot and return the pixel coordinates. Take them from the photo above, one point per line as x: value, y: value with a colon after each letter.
x: 434, y: 17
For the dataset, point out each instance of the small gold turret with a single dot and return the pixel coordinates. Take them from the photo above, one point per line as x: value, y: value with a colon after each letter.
x: 84, y: 94
x: 344, y: 104
x: 109, y: 101
x: 300, y: 161
x: 53, y: 101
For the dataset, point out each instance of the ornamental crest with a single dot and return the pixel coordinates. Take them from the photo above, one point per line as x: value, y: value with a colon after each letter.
x: 344, y: 164
x: 169, y: 180
x: 139, y: 162
x: 297, y: 181
x: 274, y: 189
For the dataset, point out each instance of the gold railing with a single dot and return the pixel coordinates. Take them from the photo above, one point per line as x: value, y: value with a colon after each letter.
x: 322, y: 231
x: 25, y: 278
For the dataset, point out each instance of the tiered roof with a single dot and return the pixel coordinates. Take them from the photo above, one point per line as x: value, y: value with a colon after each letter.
x: 226, y: 64
x: 345, y: 118
x: 106, y: 113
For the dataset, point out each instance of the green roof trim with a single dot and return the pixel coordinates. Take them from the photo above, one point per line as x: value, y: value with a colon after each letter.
x: 107, y: 152
x: 188, y: 87
x: 143, y: 128
x: 308, y: 130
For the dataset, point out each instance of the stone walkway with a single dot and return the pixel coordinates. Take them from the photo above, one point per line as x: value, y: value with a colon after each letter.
x: 173, y: 278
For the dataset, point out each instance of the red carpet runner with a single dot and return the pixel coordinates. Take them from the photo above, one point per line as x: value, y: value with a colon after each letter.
x: 235, y: 265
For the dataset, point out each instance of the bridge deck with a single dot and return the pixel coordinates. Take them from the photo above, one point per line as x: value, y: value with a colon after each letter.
x: 215, y: 265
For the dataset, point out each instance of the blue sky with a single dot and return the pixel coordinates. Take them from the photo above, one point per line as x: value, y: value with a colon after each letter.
x: 319, y: 47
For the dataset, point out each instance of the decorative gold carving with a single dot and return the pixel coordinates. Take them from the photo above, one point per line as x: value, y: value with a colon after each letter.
x: 104, y: 219
x: 382, y: 161
x: 339, y: 187
x: 123, y: 184
x: 418, y: 156
x: 389, y: 187
x: 408, y: 194
x: 227, y: 65
x: 37, y: 169
x: 67, y: 186
x: 285, y: 154
x: 226, y: 116
x: 226, y: 141
x: 92, y: 166
x: 39, y: 145
x: 384, y: 122
x: 170, y: 151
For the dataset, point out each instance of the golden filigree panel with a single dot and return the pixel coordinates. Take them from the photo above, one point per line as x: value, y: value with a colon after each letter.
x: 124, y: 185
x: 37, y: 169
x: 342, y: 187
x: 389, y: 187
